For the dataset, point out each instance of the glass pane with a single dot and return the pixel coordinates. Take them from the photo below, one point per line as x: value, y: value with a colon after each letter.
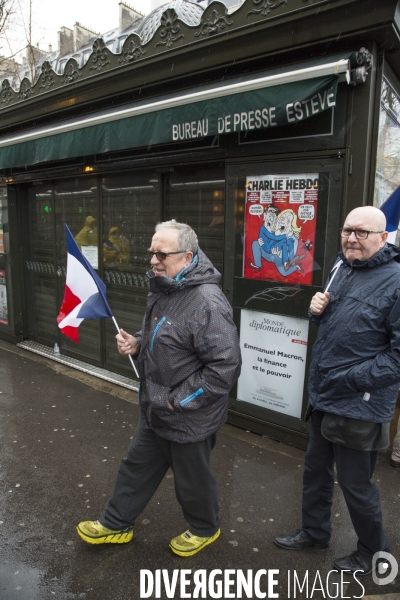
x: 130, y: 213
x: 76, y: 204
x: 387, y: 177
x: 4, y: 242
x: 40, y: 266
x: 4, y: 266
x: 196, y: 195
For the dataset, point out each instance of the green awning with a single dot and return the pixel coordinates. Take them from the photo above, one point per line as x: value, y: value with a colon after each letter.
x: 266, y: 102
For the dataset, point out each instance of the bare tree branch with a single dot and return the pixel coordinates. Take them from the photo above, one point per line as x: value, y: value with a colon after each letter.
x: 6, y: 10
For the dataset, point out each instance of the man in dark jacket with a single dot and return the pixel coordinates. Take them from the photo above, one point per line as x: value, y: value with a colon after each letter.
x: 188, y: 357
x: 353, y: 383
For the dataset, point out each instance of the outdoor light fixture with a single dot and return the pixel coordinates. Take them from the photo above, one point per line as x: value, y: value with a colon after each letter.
x: 88, y: 169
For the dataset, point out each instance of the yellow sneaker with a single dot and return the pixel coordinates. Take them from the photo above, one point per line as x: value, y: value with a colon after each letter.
x: 188, y: 544
x: 94, y: 532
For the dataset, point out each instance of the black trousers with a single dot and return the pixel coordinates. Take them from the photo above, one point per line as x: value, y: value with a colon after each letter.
x: 141, y: 472
x: 354, y: 471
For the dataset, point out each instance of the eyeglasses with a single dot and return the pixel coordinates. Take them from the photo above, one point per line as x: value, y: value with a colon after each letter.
x: 361, y: 234
x: 162, y: 255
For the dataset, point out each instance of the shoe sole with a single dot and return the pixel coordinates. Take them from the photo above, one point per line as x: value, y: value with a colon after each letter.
x: 115, y: 538
x: 317, y: 546
x: 191, y: 552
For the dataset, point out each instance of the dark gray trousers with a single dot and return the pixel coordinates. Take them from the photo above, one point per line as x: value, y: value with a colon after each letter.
x: 141, y: 472
x: 354, y: 471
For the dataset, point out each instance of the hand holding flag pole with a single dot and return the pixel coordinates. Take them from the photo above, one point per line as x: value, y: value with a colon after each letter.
x: 130, y: 357
x: 84, y: 296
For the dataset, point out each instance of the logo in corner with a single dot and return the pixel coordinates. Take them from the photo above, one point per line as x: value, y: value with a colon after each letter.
x: 384, y: 568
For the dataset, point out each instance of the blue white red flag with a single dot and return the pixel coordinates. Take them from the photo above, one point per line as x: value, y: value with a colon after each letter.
x: 85, y: 293
x: 391, y: 210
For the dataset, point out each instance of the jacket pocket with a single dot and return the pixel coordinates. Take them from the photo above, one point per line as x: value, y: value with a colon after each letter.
x: 337, y: 383
x: 162, y: 418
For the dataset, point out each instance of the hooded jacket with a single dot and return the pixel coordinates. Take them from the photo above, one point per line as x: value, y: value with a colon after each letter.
x: 189, y: 354
x: 87, y: 236
x: 116, y: 250
x: 355, y: 364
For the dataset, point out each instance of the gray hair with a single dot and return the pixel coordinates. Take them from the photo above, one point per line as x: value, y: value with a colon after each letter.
x: 187, y: 238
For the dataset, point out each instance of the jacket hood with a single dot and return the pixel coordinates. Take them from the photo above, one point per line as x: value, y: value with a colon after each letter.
x: 115, y: 234
x: 89, y: 222
x: 386, y: 254
x: 200, y: 271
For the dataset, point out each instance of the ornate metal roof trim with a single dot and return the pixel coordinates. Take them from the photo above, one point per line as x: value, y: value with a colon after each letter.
x: 176, y: 24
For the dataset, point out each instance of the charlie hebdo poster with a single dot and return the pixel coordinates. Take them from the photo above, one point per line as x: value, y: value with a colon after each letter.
x: 280, y: 223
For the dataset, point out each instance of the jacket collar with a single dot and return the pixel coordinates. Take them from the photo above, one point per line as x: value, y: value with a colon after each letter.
x: 386, y: 254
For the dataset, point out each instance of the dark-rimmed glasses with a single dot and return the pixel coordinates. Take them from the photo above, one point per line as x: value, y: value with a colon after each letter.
x: 361, y: 234
x: 162, y: 255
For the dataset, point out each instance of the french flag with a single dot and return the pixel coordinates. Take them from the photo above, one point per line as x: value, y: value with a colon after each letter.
x: 391, y: 210
x: 85, y: 293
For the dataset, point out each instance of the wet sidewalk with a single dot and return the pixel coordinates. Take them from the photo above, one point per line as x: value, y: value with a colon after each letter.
x: 62, y: 435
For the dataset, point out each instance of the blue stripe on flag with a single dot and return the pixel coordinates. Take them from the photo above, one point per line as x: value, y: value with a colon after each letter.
x: 391, y: 210
x: 93, y: 308
x: 73, y: 249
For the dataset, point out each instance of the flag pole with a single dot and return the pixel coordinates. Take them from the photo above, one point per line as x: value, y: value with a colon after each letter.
x: 130, y: 357
x: 335, y: 269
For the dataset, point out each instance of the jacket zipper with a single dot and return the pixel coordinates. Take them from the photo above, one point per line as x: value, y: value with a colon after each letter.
x: 155, y: 332
x: 192, y: 396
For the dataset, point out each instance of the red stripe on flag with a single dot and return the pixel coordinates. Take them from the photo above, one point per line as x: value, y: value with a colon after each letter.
x: 70, y: 301
x: 71, y: 332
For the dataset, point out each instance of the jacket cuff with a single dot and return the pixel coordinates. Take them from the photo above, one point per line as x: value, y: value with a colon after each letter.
x: 139, y: 341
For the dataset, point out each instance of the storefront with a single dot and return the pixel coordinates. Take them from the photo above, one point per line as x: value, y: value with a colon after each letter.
x: 261, y: 128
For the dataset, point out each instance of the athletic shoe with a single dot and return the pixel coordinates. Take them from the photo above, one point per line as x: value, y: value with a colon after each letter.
x: 188, y: 544
x: 94, y: 532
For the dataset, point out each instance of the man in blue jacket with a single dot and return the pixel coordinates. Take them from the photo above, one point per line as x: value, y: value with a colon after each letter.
x: 188, y: 358
x: 353, y: 384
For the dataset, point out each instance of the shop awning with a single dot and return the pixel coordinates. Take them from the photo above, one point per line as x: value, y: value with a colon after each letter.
x: 273, y: 100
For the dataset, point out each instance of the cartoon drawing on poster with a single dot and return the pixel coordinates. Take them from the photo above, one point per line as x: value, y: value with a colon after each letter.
x: 280, y: 223
x: 274, y: 350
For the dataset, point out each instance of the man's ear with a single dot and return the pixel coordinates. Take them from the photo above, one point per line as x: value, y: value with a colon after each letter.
x: 189, y: 258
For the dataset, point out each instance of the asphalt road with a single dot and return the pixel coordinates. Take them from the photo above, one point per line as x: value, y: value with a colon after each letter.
x: 62, y: 435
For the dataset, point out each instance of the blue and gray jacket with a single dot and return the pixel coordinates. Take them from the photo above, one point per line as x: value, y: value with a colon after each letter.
x: 355, y: 365
x: 189, y: 354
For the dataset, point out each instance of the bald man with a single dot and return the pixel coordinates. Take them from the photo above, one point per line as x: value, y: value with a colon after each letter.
x: 353, y: 382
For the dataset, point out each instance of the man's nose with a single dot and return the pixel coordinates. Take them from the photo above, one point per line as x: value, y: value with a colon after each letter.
x: 154, y: 260
x: 354, y: 236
